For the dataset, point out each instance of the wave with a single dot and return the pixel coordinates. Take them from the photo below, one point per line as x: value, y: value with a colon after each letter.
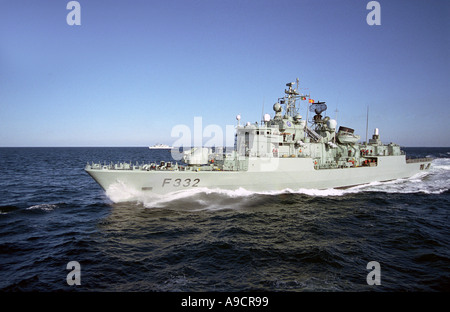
x: 43, y: 207
x: 436, y: 181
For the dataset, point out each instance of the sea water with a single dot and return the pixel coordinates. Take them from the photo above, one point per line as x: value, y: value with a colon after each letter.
x: 53, y: 213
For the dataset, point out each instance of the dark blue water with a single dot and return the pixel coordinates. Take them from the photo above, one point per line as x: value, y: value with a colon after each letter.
x: 52, y: 212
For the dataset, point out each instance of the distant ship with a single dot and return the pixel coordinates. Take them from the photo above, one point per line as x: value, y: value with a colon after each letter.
x: 284, y: 152
x: 160, y: 146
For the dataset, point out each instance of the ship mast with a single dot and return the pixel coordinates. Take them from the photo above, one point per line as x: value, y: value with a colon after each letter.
x: 290, y: 99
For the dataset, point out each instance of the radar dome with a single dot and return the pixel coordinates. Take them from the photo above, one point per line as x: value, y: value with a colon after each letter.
x: 332, y: 124
x: 277, y: 107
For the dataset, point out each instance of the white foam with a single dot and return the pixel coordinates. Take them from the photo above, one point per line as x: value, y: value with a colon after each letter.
x: 43, y: 207
x: 120, y: 192
x: 434, y: 181
x: 440, y: 165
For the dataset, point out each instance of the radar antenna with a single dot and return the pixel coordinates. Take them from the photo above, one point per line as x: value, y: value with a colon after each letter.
x: 318, y: 108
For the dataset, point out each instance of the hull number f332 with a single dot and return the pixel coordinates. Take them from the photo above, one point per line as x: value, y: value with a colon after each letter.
x: 180, y: 182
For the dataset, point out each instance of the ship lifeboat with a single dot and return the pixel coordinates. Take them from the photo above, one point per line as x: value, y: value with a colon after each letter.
x: 346, y: 136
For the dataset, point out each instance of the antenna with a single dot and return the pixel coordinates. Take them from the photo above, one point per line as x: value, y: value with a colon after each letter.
x: 262, y: 112
x: 335, y: 118
x: 367, y: 123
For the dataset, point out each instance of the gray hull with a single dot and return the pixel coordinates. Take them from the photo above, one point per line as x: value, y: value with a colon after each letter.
x: 262, y: 175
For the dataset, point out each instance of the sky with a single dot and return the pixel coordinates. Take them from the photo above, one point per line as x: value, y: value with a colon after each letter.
x: 134, y: 70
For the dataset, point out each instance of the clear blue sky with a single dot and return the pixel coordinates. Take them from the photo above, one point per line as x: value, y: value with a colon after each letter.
x: 135, y: 69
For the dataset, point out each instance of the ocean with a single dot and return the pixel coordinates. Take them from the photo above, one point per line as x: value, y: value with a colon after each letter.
x: 52, y: 214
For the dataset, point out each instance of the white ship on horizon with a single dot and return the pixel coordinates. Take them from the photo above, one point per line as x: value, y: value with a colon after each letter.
x: 160, y: 146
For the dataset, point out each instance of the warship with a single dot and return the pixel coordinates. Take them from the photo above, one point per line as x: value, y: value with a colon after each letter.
x: 284, y: 152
